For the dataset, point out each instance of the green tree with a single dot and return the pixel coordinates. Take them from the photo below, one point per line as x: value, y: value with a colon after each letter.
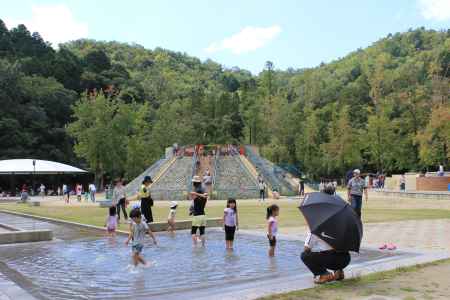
x: 434, y: 139
x: 380, y: 142
x: 98, y: 131
x: 342, y: 151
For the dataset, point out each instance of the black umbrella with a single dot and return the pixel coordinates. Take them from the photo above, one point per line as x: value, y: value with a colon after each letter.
x: 333, y: 220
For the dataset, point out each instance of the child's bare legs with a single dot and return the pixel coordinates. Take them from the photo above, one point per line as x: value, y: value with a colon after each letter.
x: 229, y: 245
x: 271, y: 251
x: 171, y: 227
x: 137, y: 258
x: 202, y: 238
x: 194, y: 239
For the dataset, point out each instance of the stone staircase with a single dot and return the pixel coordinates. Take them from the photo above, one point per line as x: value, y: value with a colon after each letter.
x: 206, y: 163
x: 233, y: 179
x: 274, y: 176
x: 173, y: 184
x: 153, y: 171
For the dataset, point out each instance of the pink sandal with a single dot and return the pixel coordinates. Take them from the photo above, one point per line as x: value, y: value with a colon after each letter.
x: 392, y: 247
x: 383, y: 247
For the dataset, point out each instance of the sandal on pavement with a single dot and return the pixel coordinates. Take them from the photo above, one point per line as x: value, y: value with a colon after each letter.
x: 392, y: 247
x: 383, y: 247
x: 324, y: 278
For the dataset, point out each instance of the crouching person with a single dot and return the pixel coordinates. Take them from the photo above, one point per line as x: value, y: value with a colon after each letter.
x: 320, y: 257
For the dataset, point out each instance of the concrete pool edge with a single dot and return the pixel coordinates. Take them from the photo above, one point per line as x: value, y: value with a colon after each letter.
x: 285, y: 284
x: 156, y: 227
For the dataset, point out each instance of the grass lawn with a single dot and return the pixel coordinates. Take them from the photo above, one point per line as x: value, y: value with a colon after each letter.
x: 416, y: 282
x: 251, y: 213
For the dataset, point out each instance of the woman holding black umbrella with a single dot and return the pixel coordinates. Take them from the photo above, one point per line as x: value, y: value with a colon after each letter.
x: 335, y: 230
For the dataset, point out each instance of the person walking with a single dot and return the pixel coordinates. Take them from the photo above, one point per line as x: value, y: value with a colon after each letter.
x: 79, y: 191
x: 356, y: 187
x: 119, y: 199
x: 92, y: 191
x: 301, y: 187
x: 24, y: 193
x: 42, y: 190
x: 66, y: 193
x: 146, y: 199
x: 262, y: 190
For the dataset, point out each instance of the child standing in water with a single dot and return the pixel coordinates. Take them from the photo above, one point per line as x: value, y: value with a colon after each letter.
x: 230, y: 222
x: 111, y: 221
x: 272, y: 227
x: 138, y: 229
x: 171, y: 216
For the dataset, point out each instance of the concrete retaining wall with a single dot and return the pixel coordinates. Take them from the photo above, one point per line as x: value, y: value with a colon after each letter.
x: 25, y: 236
x: 8, y: 227
x: 412, y: 195
x: 156, y: 227
x: 435, y: 183
x: 185, y: 224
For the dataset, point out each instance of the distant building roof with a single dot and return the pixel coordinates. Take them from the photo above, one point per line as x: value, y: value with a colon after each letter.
x: 25, y: 166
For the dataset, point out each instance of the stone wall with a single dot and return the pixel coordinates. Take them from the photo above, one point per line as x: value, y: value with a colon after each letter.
x: 173, y: 183
x: 435, y: 183
x: 233, y: 180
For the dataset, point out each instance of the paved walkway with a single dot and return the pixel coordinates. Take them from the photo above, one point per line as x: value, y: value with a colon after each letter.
x: 416, y: 234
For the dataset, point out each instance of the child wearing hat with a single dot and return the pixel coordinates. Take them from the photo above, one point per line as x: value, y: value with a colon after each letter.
x: 171, y: 216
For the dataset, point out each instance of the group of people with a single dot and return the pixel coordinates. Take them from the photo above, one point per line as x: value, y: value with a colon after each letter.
x: 318, y: 256
x: 77, y: 191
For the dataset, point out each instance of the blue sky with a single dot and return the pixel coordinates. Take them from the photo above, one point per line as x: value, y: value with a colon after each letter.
x: 243, y: 33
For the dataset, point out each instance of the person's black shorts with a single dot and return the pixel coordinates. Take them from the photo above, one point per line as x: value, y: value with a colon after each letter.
x: 273, y: 241
x: 194, y: 230
x: 229, y: 232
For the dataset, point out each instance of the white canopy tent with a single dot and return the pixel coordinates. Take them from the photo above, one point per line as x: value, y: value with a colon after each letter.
x: 35, y: 167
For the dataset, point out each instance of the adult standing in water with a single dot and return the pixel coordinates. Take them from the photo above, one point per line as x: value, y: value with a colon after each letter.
x: 146, y: 199
x: 200, y: 197
x: 356, y: 187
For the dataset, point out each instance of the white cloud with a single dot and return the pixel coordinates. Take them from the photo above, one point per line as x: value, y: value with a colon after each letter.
x: 438, y: 10
x: 247, y: 40
x: 55, y: 23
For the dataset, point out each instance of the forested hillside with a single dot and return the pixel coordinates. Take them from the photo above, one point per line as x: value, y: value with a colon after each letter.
x: 115, y: 107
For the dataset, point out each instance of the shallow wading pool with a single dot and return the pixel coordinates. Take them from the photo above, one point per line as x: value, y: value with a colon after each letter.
x: 82, y: 267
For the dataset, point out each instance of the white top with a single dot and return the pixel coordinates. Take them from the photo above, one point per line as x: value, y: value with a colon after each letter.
x: 118, y: 193
x: 79, y: 190
x: 172, y: 214
x: 92, y: 188
x: 42, y: 188
x: 316, y: 244
x: 262, y: 185
x: 273, y: 222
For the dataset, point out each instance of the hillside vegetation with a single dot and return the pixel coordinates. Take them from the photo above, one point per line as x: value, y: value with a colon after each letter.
x: 114, y: 107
